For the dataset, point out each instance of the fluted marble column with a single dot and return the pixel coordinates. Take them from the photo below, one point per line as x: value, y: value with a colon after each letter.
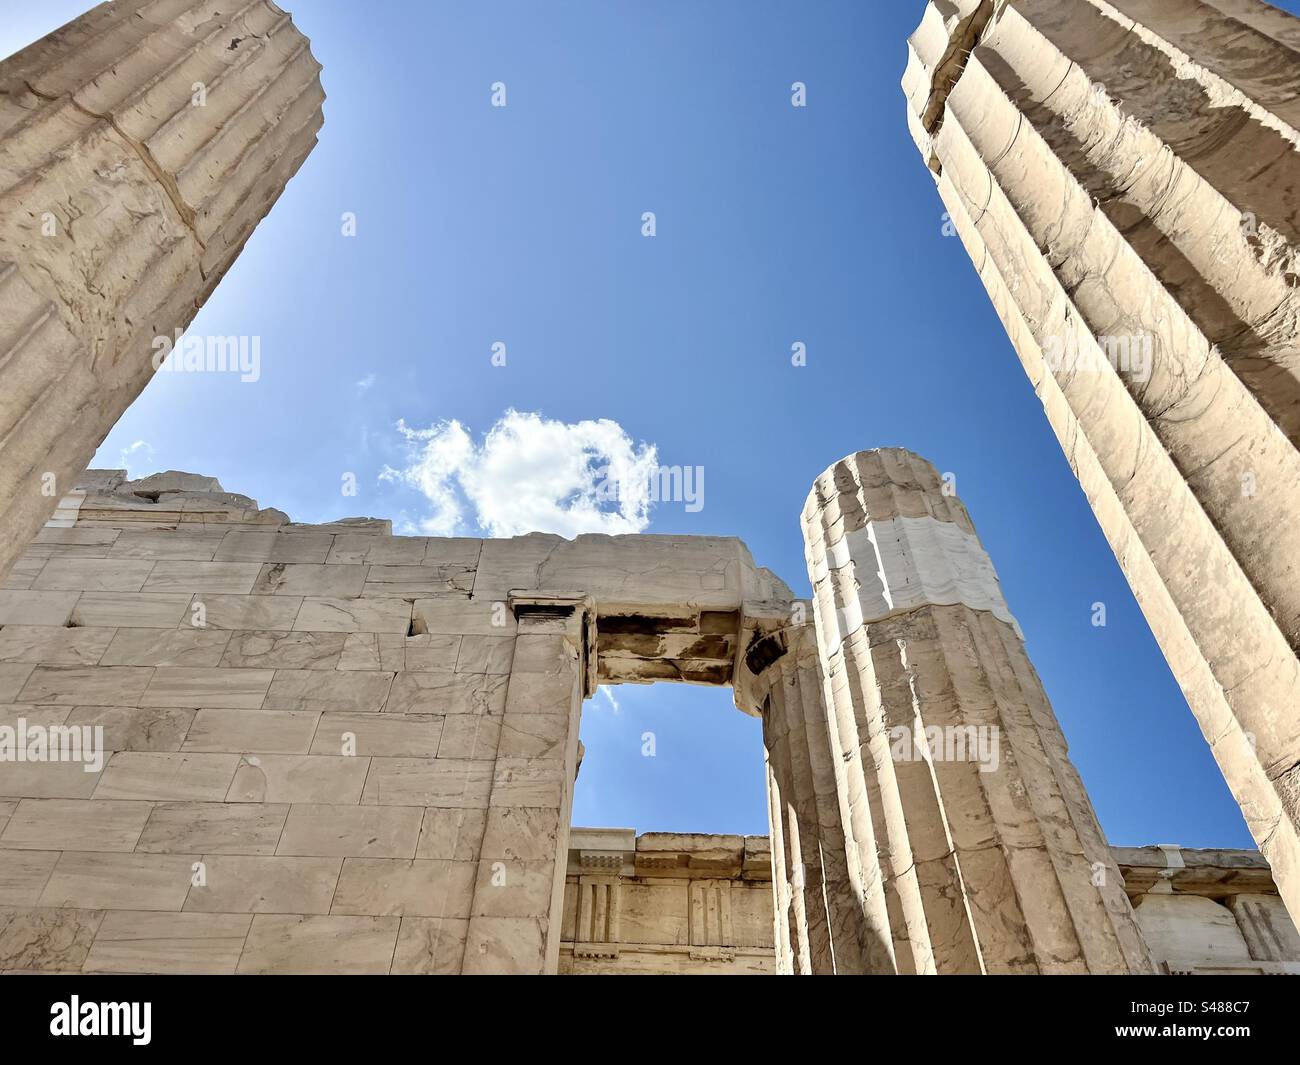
x: 995, y: 860
x: 139, y: 147
x: 1125, y: 175
x: 785, y: 942
x: 821, y: 920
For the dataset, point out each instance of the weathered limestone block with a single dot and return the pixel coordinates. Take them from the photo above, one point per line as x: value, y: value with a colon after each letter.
x: 56, y: 940
x: 994, y: 857
x: 707, y: 571
x: 290, y: 943
x: 140, y: 145
x: 364, y: 832
x: 1189, y: 932
x: 429, y: 946
x: 180, y: 943
x: 1125, y: 175
x: 214, y: 828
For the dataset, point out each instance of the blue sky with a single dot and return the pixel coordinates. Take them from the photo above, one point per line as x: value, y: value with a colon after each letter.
x: 774, y: 225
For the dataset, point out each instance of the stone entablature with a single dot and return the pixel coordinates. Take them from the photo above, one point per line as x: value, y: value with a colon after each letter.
x: 1202, y: 911
x: 667, y: 903
x: 1210, y: 911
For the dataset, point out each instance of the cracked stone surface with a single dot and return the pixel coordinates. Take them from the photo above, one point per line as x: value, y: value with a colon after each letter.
x: 124, y: 198
x: 1127, y: 172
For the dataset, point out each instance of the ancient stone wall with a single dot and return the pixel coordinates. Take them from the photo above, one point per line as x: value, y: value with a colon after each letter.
x: 328, y: 749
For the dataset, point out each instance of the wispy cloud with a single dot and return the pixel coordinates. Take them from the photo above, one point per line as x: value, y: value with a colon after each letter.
x: 366, y: 383
x: 138, y: 460
x: 529, y: 474
x: 605, y: 690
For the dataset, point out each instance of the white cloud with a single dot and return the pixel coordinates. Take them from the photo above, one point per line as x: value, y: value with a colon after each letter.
x: 604, y: 689
x: 137, y: 460
x: 530, y: 474
x: 366, y: 383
